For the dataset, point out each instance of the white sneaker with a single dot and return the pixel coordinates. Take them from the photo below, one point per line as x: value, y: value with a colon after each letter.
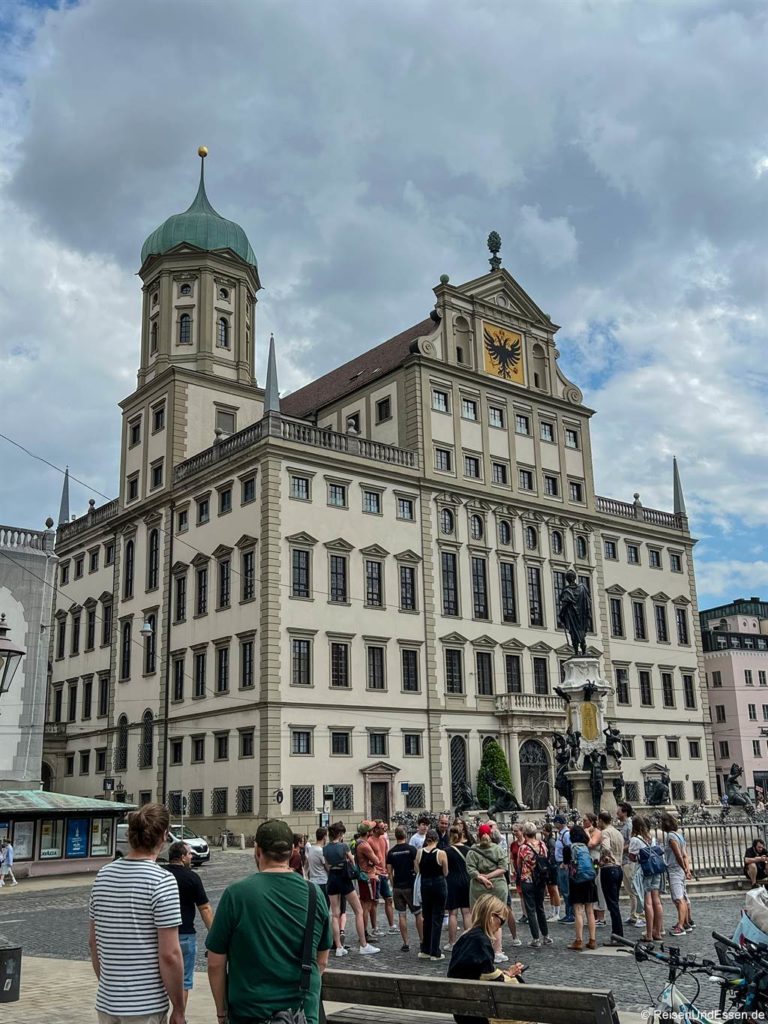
x: 639, y: 923
x: 393, y: 929
x: 501, y: 958
x: 376, y: 931
x: 516, y: 942
x: 554, y: 916
x: 341, y: 951
x: 447, y: 947
x: 369, y: 950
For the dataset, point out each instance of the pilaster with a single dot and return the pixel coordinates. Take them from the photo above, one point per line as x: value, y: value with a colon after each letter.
x: 270, y: 637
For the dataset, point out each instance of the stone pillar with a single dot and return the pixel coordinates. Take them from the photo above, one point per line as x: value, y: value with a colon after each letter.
x: 513, y: 757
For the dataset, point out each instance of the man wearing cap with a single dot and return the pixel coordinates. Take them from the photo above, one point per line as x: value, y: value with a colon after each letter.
x: 256, y: 943
x: 563, y: 839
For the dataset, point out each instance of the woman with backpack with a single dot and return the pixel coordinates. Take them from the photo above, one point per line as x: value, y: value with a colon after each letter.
x: 533, y: 873
x: 583, y: 891
x: 648, y: 855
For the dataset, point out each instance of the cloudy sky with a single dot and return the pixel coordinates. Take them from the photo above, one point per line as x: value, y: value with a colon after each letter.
x: 620, y: 149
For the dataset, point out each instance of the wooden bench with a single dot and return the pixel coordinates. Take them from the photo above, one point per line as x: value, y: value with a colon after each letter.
x: 411, y: 998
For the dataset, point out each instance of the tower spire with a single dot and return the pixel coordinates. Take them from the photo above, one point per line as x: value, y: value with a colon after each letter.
x: 271, y: 393
x: 64, y: 507
x: 677, y: 490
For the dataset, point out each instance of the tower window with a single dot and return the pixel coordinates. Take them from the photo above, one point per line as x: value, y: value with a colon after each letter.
x: 224, y: 294
x: 155, y: 299
x: 153, y: 339
x: 186, y: 289
x: 185, y: 328
x: 223, y: 333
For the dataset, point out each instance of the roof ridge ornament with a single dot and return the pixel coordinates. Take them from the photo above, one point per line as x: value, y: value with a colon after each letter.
x: 494, y: 246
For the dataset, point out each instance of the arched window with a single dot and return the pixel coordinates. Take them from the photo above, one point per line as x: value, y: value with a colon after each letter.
x: 121, y: 744
x: 130, y: 553
x: 446, y: 521
x: 539, y: 365
x: 223, y: 335
x: 155, y: 299
x: 125, y: 650
x: 150, y: 646
x: 581, y: 547
x: 186, y: 289
x: 534, y: 774
x: 505, y: 532
x: 185, y: 329
x: 476, y: 527
x: 153, y: 559
x: 557, y: 542
x: 459, y: 772
x: 224, y: 293
x: 153, y: 338
x: 147, y: 740
x: 531, y: 538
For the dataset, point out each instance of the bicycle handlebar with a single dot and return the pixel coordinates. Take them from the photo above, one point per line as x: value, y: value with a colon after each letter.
x: 727, y: 942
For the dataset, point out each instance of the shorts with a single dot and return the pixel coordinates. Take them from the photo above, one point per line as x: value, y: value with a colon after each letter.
x: 148, y: 1018
x: 385, y: 889
x: 188, y: 945
x: 404, y: 901
x: 369, y: 891
x: 339, y: 884
x: 677, y: 886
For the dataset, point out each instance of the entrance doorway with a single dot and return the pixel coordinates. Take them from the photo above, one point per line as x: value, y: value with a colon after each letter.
x: 534, y: 774
x: 380, y: 800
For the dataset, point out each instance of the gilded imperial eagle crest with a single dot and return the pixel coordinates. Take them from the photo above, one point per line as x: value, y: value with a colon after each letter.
x: 503, y: 353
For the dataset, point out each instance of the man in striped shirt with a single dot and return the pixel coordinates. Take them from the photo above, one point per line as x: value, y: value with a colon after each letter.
x: 134, y: 930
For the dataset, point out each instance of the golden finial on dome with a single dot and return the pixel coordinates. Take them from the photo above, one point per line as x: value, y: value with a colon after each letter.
x: 203, y: 152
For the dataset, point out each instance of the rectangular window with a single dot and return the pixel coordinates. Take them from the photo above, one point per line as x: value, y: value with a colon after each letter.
x: 158, y: 418
x: 717, y: 679
x: 301, y: 673
x: 79, y: 561
x: 756, y: 752
x: 673, y: 748
x: 341, y: 744
x: 522, y: 424
x: 439, y: 400
x: 383, y: 410
x: 495, y: 417
x: 203, y: 511
x: 200, y: 672
x: 484, y: 667
x: 450, y: 583
x: 90, y: 629
x: 337, y: 495
x: 547, y: 431
x: 225, y: 501
x: 576, y: 491
x: 246, y: 742
x: 443, y: 460
x: 134, y: 432
x: 201, y: 603
x: 719, y: 713
x: 747, y: 671
x: 219, y: 800
x: 535, y: 605
x: 244, y: 798
x: 339, y: 664
x: 156, y: 474
x: 75, y: 634
x: 667, y: 690
x: 617, y: 618
x: 225, y: 582
x: 180, y: 598
x: 177, y: 752
x: 761, y: 677
x: 61, y: 637
x: 499, y: 473
x: 765, y: 712
x: 65, y: 574
x: 480, y: 588
x: 513, y: 673
x: 654, y: 558
x: 472, y: 467
x: 508, y: 593
x: 302, y: 798
x: 178, y: 679
x: 551, y: 486
x: 689, y: 691
x: 372, y: 502
x: 540, y: 676
x: 103, y: 705
x: 646, y: 694
x: 406, y: 509
x: 525, y: 479
x: 300, y: 488
x: 85, y: 712
x: 182, y: 521
x: 571, y: 438
x: 651, y: 749
x: 410, y: 662
x: 407, y: 588
x: 377, y: 744
x: 109, y: 554
x: 93, y: 561
x: 454, y: 672
x: 246, y: 664
x: 681, y: 618
x: 248, y: 490
x: 752, y: 712
x: 338, y: 566
x: 412, y: 744
x: 468, y: 409
x: 58, y: 696
x: 85, y: 762
x: 376, y: 678
x: 221, y: 747
x: 694, y: 748
x: 725, y: 751
x: 222, y: 669
x: 374, y: 595
x: 133, y: 487
x: 247, y: 575
x: 195, y: 802
x: 610, y: 549
x: 675, y: 562
x: 300, y: 584
x: 72, y: 703
x: 638, y: 618
x: 416, y: 798
x: 627, y: 746
x: 301, y: 741
x: 633, y: 554
x: 106, y: 625
x: 660, y: 615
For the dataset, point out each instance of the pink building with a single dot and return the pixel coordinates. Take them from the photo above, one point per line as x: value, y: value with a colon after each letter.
x: 735, y: 642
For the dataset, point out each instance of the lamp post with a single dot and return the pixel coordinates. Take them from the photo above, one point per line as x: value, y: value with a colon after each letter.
x: 10, y: 657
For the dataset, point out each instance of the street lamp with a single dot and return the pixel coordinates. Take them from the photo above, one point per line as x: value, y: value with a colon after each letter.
x: 10, y: 657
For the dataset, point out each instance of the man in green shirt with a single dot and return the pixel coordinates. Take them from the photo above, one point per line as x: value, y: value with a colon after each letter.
x: 255, y: 944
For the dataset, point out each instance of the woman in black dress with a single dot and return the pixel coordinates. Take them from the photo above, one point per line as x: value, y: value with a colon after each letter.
x: 473, y: 955
x: 458, y: 886
x: 432, y: 866
x: 583, y: 895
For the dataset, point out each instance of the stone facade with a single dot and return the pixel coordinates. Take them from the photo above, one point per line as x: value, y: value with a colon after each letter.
x: 27, y: 581
x: 358, y: 590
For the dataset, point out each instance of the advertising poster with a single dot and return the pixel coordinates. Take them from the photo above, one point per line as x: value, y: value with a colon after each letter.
x: 101, y: 837
x: 51, y: 830
x: 77, y: 837
x: 23, y: 840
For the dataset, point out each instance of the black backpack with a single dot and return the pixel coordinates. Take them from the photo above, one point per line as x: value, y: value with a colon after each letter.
x: 540, y: 872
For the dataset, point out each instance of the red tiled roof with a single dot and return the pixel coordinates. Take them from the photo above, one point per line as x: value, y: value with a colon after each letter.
x: 346, y: 379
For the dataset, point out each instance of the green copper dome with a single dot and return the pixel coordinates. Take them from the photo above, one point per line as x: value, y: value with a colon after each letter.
x: 201, y: 226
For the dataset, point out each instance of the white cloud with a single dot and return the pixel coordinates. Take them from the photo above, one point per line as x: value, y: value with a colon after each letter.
x: 552, y: 241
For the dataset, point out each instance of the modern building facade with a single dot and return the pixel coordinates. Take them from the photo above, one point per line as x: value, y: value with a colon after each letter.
x: 735, y: 642
x: 354, y: 587
x: 27, y: 581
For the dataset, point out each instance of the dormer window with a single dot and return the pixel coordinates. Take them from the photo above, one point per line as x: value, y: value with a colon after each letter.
x: 224, y: 294
x: 185, y: 329
x: 186, y: 289
x: 223, y: 333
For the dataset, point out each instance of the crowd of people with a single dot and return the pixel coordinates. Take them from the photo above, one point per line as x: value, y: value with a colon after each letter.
x: 274, y: 930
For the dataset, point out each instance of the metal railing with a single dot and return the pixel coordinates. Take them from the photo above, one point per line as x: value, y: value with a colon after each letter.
x: 719, y: 849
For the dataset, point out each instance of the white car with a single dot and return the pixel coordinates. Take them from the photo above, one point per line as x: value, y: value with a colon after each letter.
x: 199, y: 847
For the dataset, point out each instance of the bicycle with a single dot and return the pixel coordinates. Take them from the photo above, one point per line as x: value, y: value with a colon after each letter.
x: 673, y: 1005
x: 749, y: 990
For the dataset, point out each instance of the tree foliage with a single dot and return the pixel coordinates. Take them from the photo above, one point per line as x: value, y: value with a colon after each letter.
x: 493, y: 765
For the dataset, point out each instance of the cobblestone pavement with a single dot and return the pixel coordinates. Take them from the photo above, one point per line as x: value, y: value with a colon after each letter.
x: 54, y: 923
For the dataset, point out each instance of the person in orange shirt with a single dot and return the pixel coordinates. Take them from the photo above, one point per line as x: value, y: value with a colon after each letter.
x: 379, y: 841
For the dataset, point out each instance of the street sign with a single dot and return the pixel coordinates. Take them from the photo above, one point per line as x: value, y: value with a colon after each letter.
x: 405, y: 787
x: 109, y: 785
